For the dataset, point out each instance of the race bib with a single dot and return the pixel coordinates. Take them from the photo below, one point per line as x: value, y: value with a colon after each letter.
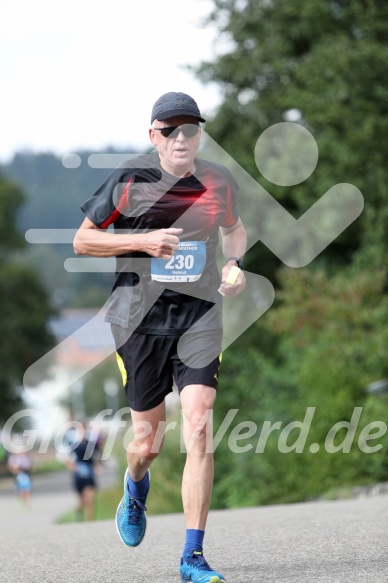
x: 187, y: 264
x: 83, y: 470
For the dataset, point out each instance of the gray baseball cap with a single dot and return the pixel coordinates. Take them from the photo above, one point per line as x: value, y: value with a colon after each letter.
x: 172, y: 104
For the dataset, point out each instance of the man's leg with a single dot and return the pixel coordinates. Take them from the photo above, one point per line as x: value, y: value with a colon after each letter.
x: 197, y: 482
x: 144, y: 361
x: 197, y: 405
x: 88, y: 502
x: 148, y: 428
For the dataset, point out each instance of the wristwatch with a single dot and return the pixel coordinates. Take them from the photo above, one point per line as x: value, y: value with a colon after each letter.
x: 237, y: 260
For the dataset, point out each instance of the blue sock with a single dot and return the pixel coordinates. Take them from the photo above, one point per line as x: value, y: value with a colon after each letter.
x: 138, y: 489
x: 194, y: 541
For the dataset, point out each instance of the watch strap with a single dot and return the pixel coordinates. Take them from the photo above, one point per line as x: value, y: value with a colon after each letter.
x: 237, y: 260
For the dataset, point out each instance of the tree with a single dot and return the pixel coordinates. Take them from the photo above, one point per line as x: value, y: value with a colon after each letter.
x: 331, y: 343
x: 322, y: 65
x: 24, y: 308
x: 326, y: 62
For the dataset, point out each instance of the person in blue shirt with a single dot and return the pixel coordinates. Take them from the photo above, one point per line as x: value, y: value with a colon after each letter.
x: 82, y: 462
x: 21, y: 466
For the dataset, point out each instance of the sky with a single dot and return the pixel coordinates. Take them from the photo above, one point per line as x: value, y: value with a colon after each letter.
x: 84, y: 74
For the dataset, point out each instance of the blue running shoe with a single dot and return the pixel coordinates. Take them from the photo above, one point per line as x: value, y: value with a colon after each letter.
x: 195, y: 569
x: 131, y: 519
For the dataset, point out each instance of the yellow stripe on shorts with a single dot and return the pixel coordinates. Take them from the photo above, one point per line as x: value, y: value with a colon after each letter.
x: 121, y: 366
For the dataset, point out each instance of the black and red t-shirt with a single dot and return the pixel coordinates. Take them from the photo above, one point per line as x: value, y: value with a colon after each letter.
x: 140, y: 196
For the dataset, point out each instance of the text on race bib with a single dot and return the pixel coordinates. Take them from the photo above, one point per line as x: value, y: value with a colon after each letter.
x: 186, y: 265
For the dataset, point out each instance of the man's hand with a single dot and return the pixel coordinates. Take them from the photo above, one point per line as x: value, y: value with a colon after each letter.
x: 231, y: 289
x: 161, y: 243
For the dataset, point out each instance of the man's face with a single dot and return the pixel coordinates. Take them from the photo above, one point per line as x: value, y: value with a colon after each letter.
x: 177, y: 151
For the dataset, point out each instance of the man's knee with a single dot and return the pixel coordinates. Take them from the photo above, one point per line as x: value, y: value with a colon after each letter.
x: 147, y: 449
x: 199, y: 431
x: 200, y: 423
x: 148, y: 433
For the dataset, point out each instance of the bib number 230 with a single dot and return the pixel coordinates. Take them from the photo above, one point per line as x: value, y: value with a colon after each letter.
x: 186, y: 265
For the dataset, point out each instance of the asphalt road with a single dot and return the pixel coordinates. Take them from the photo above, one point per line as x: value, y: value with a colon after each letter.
x: 317, y: 542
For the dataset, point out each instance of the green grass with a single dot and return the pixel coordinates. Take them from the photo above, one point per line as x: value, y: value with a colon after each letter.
x: 106, y: 505
x: 47, y: 466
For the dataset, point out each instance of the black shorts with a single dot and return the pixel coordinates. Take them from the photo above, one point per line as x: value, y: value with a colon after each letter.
x: 81, y: 483
x: 150, y: 364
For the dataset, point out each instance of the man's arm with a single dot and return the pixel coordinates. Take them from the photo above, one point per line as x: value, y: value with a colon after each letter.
x: 91, y: 240
x: 234, y: 242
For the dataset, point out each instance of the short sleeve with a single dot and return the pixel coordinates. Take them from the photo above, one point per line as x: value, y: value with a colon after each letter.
x: 110, y: 200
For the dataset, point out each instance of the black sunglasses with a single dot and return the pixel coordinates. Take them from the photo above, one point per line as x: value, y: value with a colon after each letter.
x: 189, y: 131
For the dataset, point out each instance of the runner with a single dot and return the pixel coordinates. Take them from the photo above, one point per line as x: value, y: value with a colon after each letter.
x: 168, y: 209
x: 82, y: 462
x: 21, y: 465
